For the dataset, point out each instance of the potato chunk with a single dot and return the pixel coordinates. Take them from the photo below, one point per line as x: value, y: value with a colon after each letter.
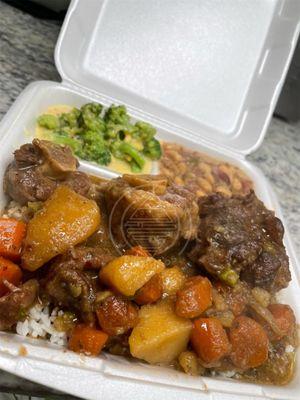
x: 127, y: 274
x: 173, y: 279
x: 160, y: 336
x: 65, y: 220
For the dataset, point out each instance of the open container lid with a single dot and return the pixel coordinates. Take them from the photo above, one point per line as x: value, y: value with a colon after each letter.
x: 89, y: 34
x: 211, y: 69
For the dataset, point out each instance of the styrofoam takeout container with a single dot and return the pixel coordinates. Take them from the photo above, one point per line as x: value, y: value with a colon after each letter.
x: 207, y: 74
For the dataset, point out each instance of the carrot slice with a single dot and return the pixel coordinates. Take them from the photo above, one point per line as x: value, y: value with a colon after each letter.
x: 249, y: 343
x: 9, y: 273
x: 284, y: 318
x: 85, y: 339
x: 209, y: 339
x: 150, y: 292
x: 137, y: 251
x: 12, y: 233
x: 194, y: 297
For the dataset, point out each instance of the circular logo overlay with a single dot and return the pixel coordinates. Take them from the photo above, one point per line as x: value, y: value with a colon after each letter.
x: 140, y: 217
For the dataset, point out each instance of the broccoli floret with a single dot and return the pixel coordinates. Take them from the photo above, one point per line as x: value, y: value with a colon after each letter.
x: 114, y: 131
x: 114, y: 147
x: 152, y: 149
x: 117, y: 115
x: 64, y: 139
x: 92, y: 109
x: 90, y: 117
x: 128, y: 153
x: 117, y: 122
x: 94, y: 148
x: 94, y: 138
x: 144, y: 131
x: 70, y: 119
x: 48, y: 121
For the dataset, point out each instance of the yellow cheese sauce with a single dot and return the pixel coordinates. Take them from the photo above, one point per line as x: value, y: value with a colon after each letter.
x: 43, y: 133
x: 115, y: 165
x: 122, y: 167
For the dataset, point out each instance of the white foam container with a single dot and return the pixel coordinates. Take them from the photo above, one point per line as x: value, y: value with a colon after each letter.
x: 207, y: 74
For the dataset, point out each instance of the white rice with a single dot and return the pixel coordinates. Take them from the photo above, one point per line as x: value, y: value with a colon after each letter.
x: 223, y: 374
x: 227, y: 374
x: 15, y: 210
x: 40, y: 324
x: 289, y: 349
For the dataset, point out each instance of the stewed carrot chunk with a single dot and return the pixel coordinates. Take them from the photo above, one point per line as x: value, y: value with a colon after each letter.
x: 209, y: 339
x: 116, y: 315
x: 284, y: 318
x: 12, y: 233
x: 151, y: 291
x: 85, y: 339
x: 249, y: 343
x: 194, y: 297
x: 10, y: 273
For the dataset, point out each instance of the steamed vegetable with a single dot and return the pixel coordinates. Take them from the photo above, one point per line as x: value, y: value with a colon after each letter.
x: 152, y: 149
x: 209, y: 339
x: 65, y: 220
x: 87, y: 127
x: 48, y: 121
x: 97, y: 135
x: 284, y: 318
x: 10, y: 273
x: 116, y: 315
x: 194, y: 297
x: 249, y: 343
x: 117, y: 115
x: 127, y: 274
x: 126, y: 152
x: 90, y: 117
x: 160, y: 336
x: 87, y: 340
x: 145, y: 132
x: 69, y: 121
x: 94, y: 148
x: 12, y: 233
x: 150, y: 292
